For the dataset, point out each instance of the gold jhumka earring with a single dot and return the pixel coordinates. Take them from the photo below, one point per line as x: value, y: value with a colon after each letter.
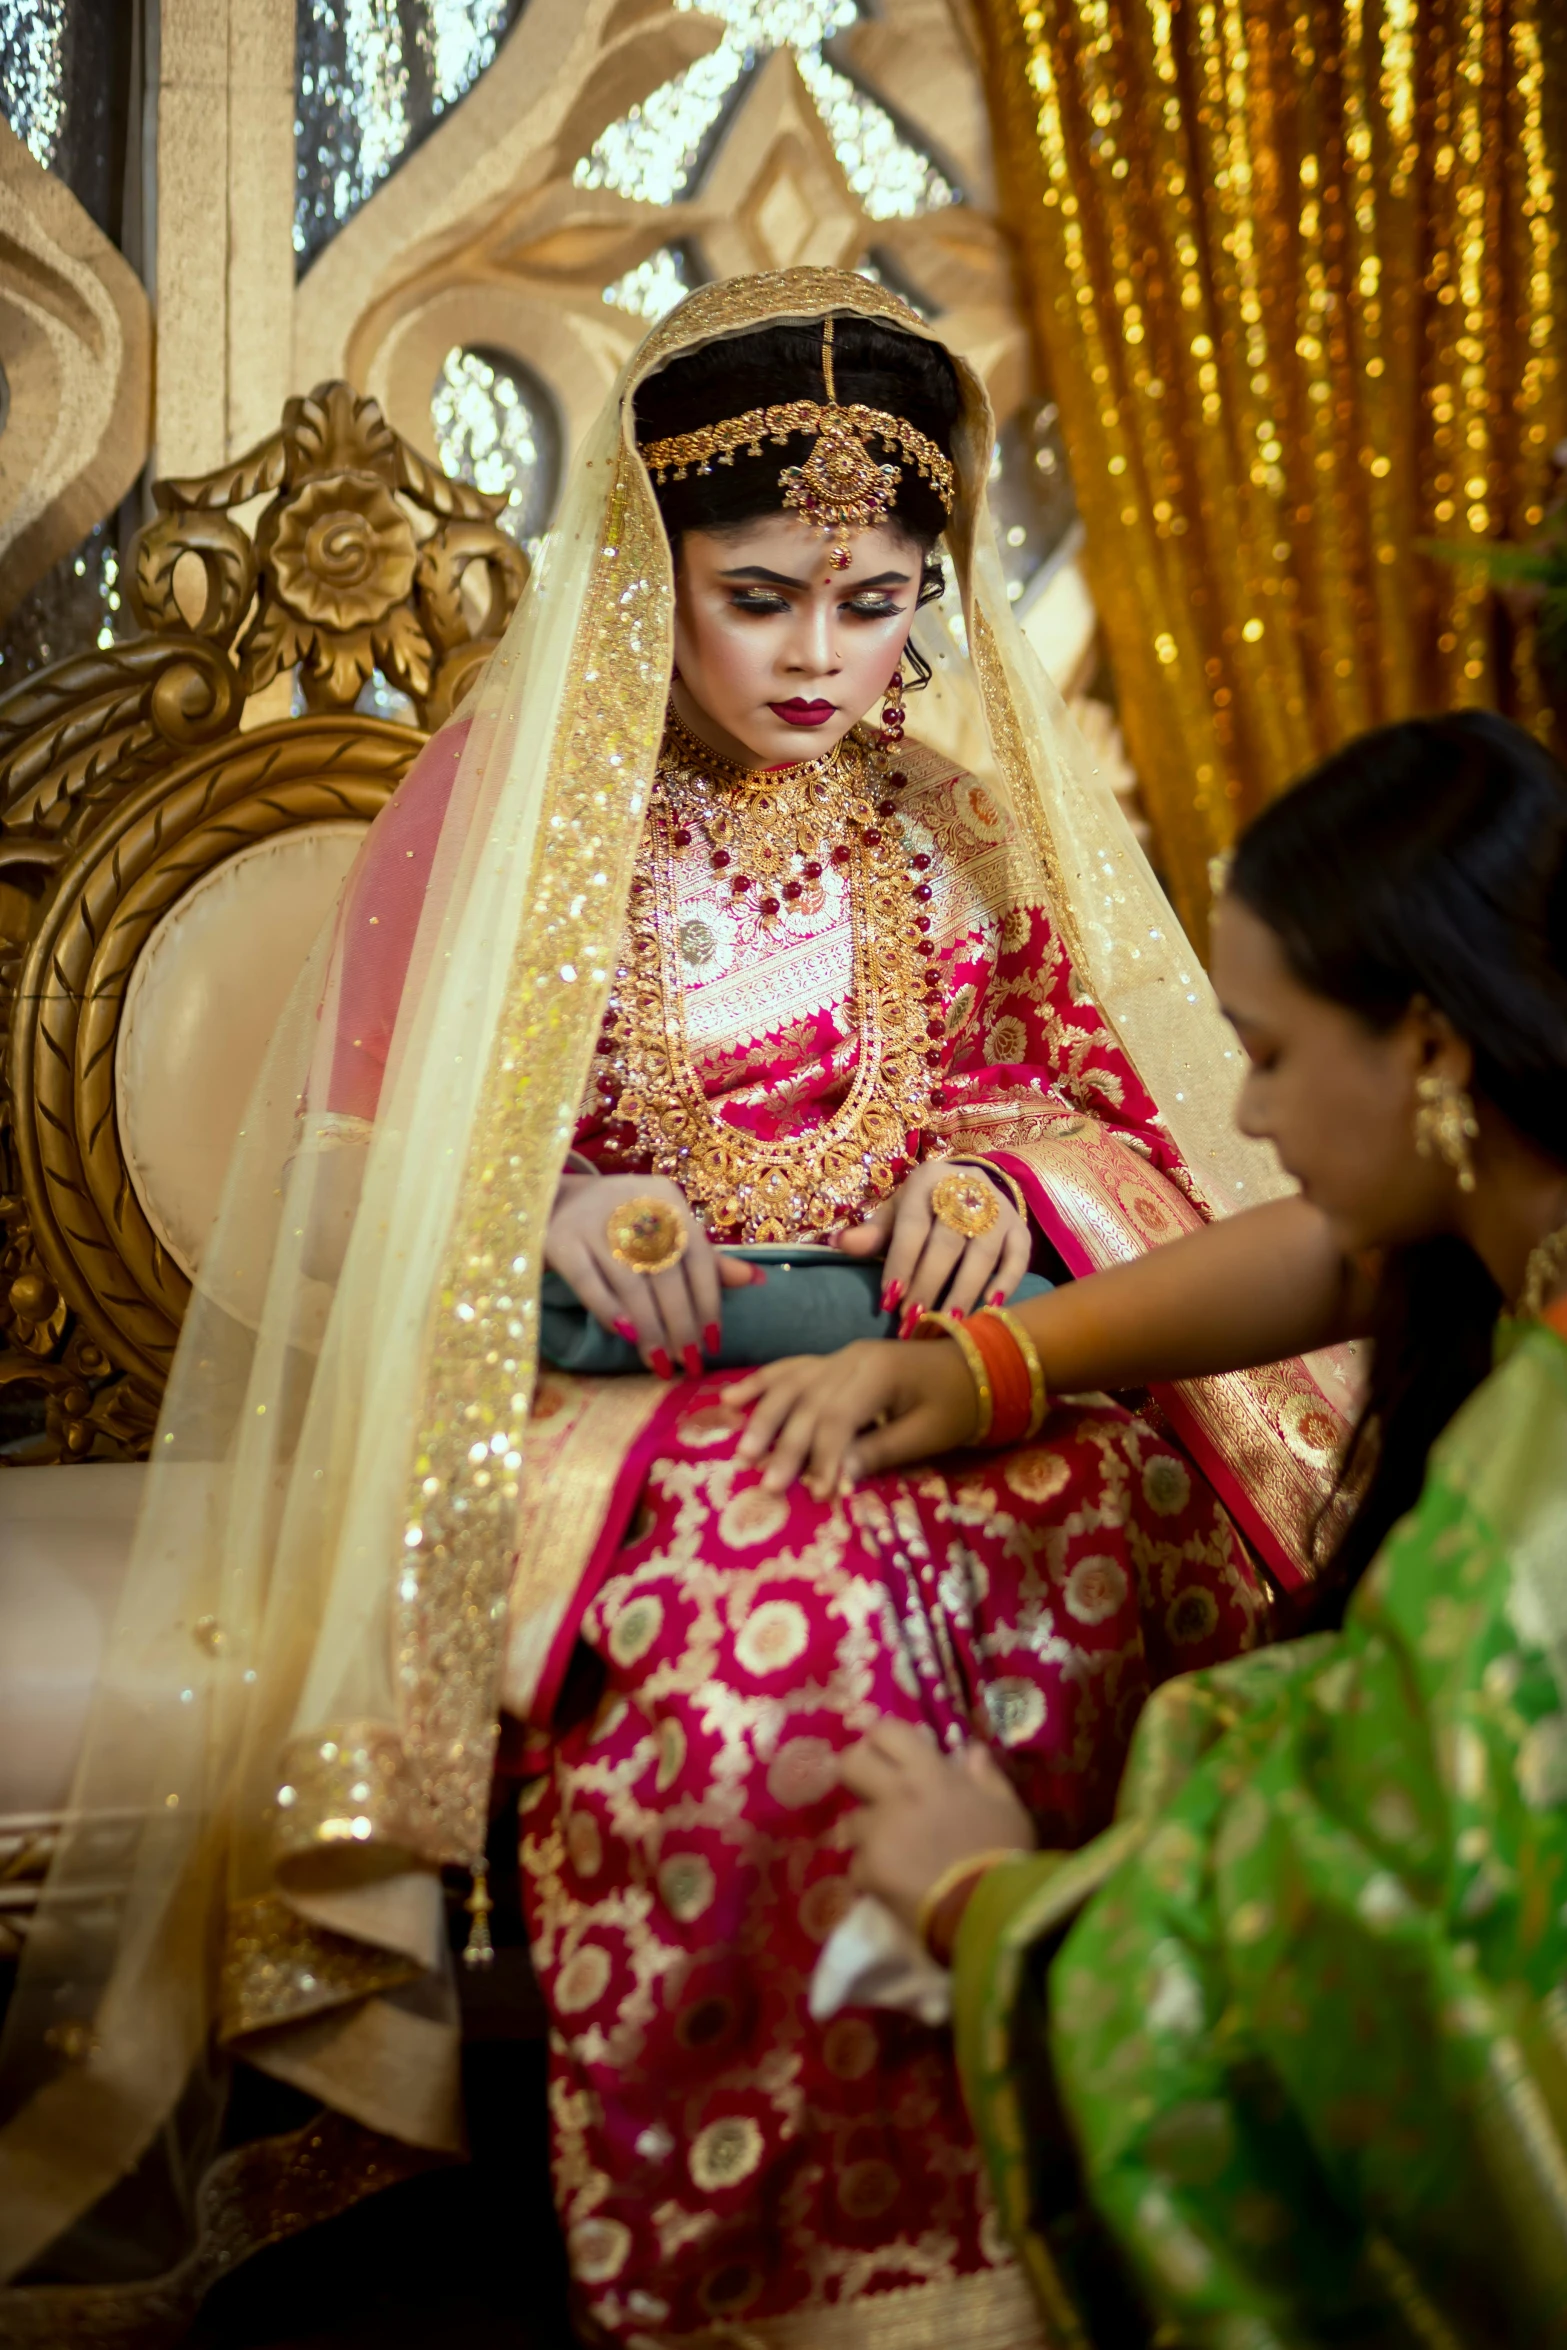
x: 1445, y: 1125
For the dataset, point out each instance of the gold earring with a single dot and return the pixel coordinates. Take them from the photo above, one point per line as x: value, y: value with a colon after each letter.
x: 1445, y: 1125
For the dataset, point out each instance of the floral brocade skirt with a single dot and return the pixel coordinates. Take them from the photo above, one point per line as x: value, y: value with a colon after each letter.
x: 728, y: 2171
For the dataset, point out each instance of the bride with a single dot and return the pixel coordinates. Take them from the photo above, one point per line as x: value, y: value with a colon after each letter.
x: 679, y: 1014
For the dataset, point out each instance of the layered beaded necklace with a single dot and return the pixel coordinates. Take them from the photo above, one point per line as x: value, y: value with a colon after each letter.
x: 771, y: 836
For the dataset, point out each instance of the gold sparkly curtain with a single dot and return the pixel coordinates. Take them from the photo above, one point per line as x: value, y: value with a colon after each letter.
x: 1298, y: 286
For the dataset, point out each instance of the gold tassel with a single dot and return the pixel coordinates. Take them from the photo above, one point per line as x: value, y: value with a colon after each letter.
x: 479, y: 1950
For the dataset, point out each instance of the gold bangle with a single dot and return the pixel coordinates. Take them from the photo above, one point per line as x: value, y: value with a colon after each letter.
x: 947, y: 1326
x: 1009, y: 1183
x: 1039, y: 1392
x: 974, y: 1864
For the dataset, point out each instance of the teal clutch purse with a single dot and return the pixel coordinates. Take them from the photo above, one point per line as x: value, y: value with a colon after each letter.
x: 814, y: 1301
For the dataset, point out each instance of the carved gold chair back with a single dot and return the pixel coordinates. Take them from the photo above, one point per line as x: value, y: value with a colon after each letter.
x: 165, y: 860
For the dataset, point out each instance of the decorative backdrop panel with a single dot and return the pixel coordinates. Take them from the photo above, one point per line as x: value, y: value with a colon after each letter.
x: 1296, y: 277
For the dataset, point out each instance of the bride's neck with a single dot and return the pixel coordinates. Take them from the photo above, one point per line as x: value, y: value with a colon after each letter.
x: 707, y: 730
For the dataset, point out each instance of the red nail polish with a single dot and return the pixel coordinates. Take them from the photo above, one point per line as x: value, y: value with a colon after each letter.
x: 758, y: 1277
x: 956, y: 1312
x: 998, y: 1297
x: 663, y: 1368
x: 891, y: 1297
x: 691, y: 1356
x: 911, y: 1315
x: 712, y: 1338
x: 627, y: 1330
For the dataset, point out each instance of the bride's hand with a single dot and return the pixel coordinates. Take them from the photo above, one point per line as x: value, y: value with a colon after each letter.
x: 670, y: 1318
x: 829, y: 1419
x: 925, y: 1256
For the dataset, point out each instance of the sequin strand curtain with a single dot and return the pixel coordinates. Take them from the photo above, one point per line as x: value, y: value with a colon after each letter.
x: 1297, y: 280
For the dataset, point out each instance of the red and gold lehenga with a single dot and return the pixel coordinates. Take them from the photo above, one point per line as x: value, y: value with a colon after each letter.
x: 380, y: 1499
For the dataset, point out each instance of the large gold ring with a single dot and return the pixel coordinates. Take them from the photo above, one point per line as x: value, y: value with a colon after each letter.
x: 647, y: 1234
x: 965, y: 1204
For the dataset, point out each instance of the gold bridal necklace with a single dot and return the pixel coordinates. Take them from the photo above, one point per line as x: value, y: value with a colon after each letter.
x: 773, y: 836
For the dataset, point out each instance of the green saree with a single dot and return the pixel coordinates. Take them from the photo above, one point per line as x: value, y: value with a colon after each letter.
x: 1310, y: 2029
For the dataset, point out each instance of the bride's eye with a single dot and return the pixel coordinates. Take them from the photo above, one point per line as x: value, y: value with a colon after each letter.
x: 873, y: 607
x: 756, y: 600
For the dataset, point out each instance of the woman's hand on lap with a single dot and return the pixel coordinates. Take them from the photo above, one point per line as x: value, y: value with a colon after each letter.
x: 926, y: 1257
x: 830, y: 1419
x: 921, y: 1812
x: 672, y: 1319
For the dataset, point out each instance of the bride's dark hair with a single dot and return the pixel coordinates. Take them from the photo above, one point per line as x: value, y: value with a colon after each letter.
x: 1425, y: 859
x: 874, y: 364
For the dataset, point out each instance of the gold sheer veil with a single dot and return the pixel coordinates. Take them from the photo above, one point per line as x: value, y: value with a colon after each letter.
x: 298, y: 1710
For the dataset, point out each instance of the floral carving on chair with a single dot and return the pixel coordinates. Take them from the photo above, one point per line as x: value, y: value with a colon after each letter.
x: 357, y: 564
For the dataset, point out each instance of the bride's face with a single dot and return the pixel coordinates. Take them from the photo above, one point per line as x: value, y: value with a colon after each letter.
x: 777, y: 655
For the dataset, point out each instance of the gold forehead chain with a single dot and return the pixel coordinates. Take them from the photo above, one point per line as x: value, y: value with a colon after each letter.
x: 841, y: 486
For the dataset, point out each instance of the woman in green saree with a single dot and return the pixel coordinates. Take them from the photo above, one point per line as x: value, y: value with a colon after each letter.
x: 1303, y: 2008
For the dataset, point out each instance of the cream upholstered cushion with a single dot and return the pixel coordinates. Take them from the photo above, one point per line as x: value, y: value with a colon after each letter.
x: 65, y: 1543
x: 204, y: 997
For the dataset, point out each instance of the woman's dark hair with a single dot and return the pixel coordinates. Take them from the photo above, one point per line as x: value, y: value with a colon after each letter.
x: 875, y: 365
x: 1426, y: 859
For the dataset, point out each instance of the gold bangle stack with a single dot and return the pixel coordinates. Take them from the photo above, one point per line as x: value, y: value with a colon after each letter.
x: 947, y: 1326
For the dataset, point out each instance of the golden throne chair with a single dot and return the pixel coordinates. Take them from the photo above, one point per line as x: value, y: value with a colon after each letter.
x: 170, y: 843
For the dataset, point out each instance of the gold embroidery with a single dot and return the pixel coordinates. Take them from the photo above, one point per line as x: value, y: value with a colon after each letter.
x: 725, y: 2153
x: 574, y: 1448
x: 992, y: 2310
x: 1027, y: 801
x: 262, y: 2192
x: 779, y: 822
x: 346, y: 1785
x: 736, y: 304
x: 277, y: 1967
x: 463, y: 1492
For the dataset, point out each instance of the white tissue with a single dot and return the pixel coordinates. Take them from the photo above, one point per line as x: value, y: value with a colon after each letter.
x: 870, y: 1959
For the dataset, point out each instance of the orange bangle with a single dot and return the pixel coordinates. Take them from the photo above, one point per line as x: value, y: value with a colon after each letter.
x: 1039, y: 1392
x: 1006, y: 1368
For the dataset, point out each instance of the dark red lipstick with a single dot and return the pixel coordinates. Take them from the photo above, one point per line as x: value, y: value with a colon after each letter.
x: 799, y: 713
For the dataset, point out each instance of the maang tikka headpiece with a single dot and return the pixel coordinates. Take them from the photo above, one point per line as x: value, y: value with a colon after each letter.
x: 841, y: 486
